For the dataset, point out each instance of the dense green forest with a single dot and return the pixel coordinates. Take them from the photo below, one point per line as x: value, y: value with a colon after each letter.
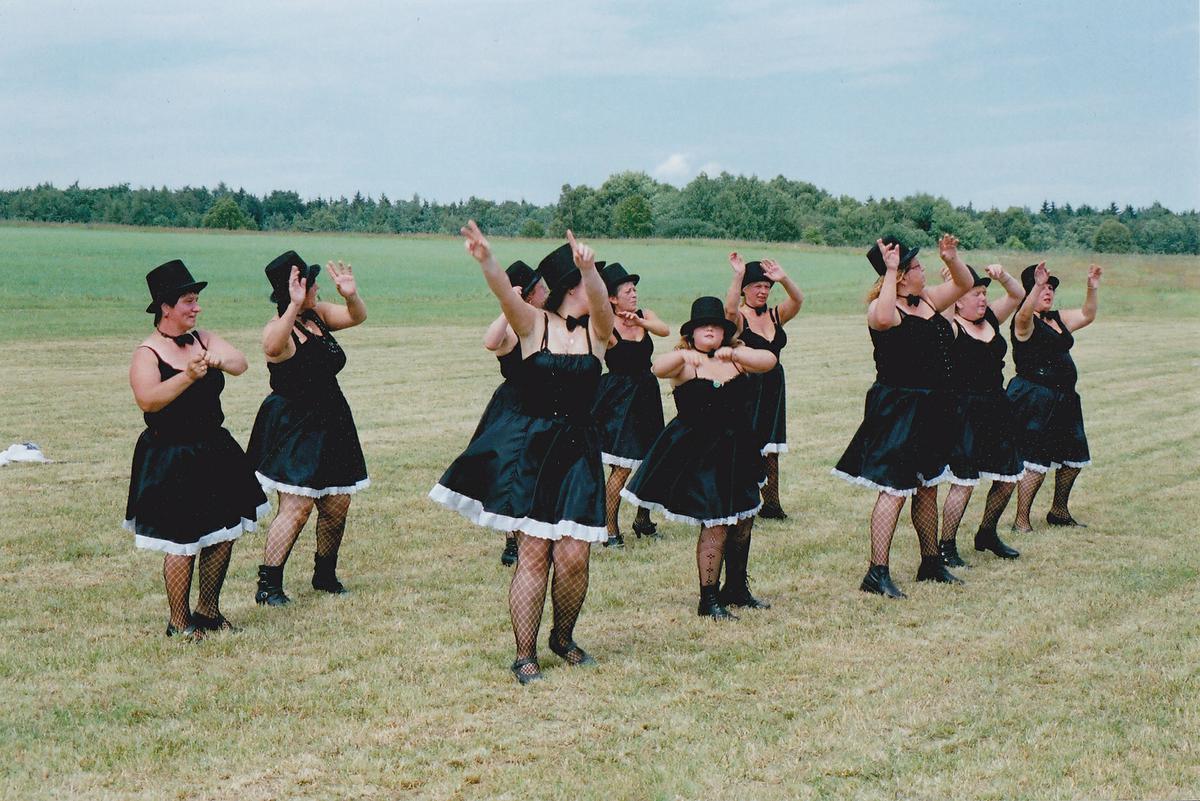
x: 632, y: 204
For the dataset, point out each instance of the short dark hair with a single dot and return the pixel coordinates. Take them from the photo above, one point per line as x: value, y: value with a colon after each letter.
x: 170, y: 300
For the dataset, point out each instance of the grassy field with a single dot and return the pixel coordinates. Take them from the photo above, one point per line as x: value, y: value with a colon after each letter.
x: 1073, y: 672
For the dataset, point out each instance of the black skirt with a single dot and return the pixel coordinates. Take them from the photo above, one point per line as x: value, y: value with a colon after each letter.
x: 629, y: 415
x: 185, y: 496
x: 986, y: 444
x: 770, y: 410
x: 308, y: 446
x: 1049, y: 426
x: 904, y: 440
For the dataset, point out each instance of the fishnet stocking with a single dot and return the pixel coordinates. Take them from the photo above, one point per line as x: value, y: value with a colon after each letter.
x: 612, y: 498
x: 924, y: 513
x: 214, y: 562
x: 331, y: 523
x: 883, y: 525
x: 177, y: 575
x: 570, y: 586
x: 1064, y: 479
x: 285, y: 528
x: 770, y: 490
x: 710, y: 553
x: 1027, y: 490
x: 953, y: 509
x: 527, y: 594
x: 997, y: 500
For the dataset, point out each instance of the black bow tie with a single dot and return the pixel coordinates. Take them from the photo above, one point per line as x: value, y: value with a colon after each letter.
x: 913, y: 300
x: 760, y: 310
x: 183, y: 340
x: 709, y: 353
x: 575, y: 322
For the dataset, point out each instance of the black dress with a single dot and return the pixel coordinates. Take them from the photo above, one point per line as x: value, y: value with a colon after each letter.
x: 770, y: 401
x: 908, y: 426
x: 536, y: 468
x: 191, y: 484
x: 986, y: 444
x: 1047, y: 408
x: 706, y: 467
x: 304, y: 441
x: 629, y: 409
x: 505, y: 398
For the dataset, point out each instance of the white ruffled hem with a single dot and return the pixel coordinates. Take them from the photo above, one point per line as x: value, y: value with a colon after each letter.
x: 1000, y: 478
x: 271, y: 485
x: 678, y: 518
x: 618, y: 461
x: 193, y: 548
x: 473, y: 510
x: 962, y: 482
x: 774, y: 447
x: 1043, y: 469
x: 866, y: 482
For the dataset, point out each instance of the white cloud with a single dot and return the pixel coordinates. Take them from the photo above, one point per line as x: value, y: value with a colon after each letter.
x: 676, y: 169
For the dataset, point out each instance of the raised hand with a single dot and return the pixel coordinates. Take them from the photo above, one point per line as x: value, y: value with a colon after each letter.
x: 197, y: 367
x: 693, y: 358
x: 631, y: 318
x: 724, y: 354
x: 1041, y: 276
x: 994, y: 271
x: 343, y: 278
x: 948, y: 247
x: 296, y: 290
x: 212, y: 361
x: 945, y: 273
x: 772, y: 270
x: 475, y: 242
x: 891, y: 254
x: 736, y: 262
x: 1094, y: 273
x: 585, y: 257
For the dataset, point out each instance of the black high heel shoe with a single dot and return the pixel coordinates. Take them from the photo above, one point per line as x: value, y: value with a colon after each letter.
x: 527, y: 678
x: 1055, y: 520
x: 646, y: 528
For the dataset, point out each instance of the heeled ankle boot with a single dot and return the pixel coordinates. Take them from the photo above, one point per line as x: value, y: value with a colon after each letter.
x: 932, y: 569
x: 270, y: 586
x: 736, y: 591
x: 949, y: 551
x: 879, y: 581
x: 711, y: 607
x: 325, y: 575
x: 986, y: 539
x: 508, y: 557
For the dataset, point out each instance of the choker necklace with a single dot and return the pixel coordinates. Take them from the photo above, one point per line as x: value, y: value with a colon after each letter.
x: 976, y: 322
x: 183, y: 340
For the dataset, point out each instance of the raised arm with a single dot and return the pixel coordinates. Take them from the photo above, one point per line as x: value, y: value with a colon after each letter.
x: 882, y: 314
x: 944, y: 295
x: 795, y: 298
x: 355, y: 311
x: 733, y: 298
x: 1074, y: 319
x: 750, y: 360
x: 1014, y: 293
x: 496, y: 333
x: 520, y: 315
x: 1023, y: 322
x: 600, y: 311
x: 220, y: 355
x: 277, y: 335
x: 149, y: 390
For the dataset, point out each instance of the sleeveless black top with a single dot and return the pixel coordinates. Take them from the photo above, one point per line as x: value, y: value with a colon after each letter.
x: 1045, y: 358
x: 979, y: 366
x: 510, y: 363
x: 628, y: 356
x: 751, y: 339
x: 560, y: 385
x: 914, y: 354
x: 315, y: 364
x: 193, y: 413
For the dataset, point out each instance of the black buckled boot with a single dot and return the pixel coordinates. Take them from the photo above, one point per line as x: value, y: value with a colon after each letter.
x: 949, y: 551
x: 879, y: 581
x: 989, y: 540
x: 932, y: 569
x: 325, y: 575
x: 508, y: 557
x: 711, y: 607
x: 270, y: 586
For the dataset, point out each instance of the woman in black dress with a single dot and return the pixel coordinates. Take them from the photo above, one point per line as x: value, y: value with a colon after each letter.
x: 760, y: 326
x: 903, y: 445
x: 986, y: 445
x: 1047, y: 408
x: 544, y: 479
x: 628, y: 406
x: 304, y: 444
x: 706, y: 467
x: 500, y: 340
x: 191, y: 489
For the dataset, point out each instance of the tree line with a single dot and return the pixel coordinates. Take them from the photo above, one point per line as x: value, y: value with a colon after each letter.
x: 631, y: 205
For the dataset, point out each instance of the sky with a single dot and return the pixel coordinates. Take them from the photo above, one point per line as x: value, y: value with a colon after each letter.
x: 988, y: 103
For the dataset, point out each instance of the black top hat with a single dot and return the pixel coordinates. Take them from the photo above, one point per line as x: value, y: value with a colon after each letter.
x: 708, y: 311
x: 521, y: 274
x: 558, y: 269
x: 979, y: 281
x: 1027, y: 279
x: 754, y: 273
x: 615, y: 274
x: 875, y: 255
x: 280, y: 270
x: 168, y: 281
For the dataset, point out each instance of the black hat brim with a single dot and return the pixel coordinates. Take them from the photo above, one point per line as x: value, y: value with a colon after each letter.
x: 194, y: 286
x: 691, y: 325
x: 627, y: 279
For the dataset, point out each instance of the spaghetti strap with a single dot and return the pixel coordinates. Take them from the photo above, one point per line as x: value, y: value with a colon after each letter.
x: 545, y: 331
x: 587, y: 332
x: 156, y: 353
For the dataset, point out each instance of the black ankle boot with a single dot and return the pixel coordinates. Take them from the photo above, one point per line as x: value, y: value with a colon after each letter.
x: 711, y: 607
x: 772, y: 511
x: 879, y: 581
x: 986, y: 539
x: 270, y: 586
x: 325, y: 575
x: 645, y: 527
x: 509, y: 557
x: 950, y: 557
x: 736, y: 591
x: 932, y: 569
x: 615, y: 541
x: 1057, y: 520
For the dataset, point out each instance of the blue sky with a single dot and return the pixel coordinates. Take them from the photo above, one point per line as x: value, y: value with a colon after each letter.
x: 995, y: 103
